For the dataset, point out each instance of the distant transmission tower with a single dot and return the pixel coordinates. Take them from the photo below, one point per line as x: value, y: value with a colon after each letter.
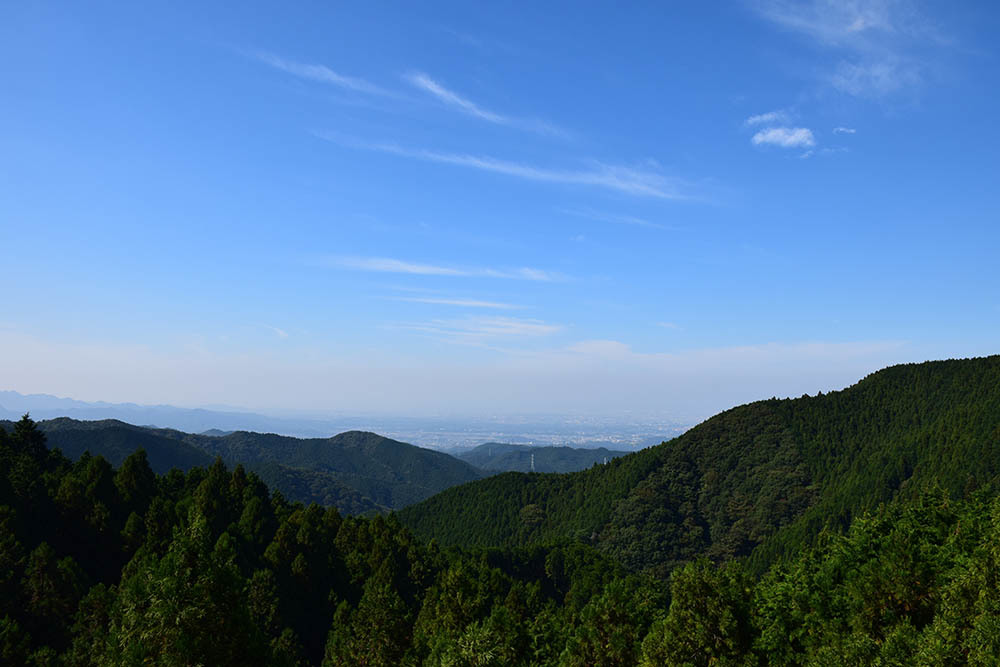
x: 532, y: 463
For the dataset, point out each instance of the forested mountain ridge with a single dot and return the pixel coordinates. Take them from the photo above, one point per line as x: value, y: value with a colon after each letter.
x: 115, y: 440
x: 391, y: 473
x: 759, y: 479
x: 518, y: 458
x: 100, y: 566
x: 355, y: 471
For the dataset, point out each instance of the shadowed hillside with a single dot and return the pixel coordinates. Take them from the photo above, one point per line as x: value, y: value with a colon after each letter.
x: 518, y: 458
x: 355, y: 471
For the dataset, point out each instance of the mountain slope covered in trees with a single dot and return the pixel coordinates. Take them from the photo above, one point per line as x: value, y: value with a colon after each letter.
x: 760, y: 479
x: 100, y: 566
x: 391, y: 473
x: 517, y: 458
x: 355, y: 471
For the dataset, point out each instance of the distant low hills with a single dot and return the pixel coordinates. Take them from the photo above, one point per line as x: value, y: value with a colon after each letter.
x: 496, y: 456
x: 758, y: 480
x: 193, y: 420
x: 356, y: 471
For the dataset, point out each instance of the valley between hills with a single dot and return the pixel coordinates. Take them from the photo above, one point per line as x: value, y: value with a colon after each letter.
x: 853, y: 527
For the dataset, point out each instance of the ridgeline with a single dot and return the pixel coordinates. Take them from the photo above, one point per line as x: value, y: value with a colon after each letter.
x: 757, y: 481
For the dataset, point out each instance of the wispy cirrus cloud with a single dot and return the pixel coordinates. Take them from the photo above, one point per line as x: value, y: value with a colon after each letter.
x: 613, y: 218
x: 785, y: 137
x: 464, y: 303
x: 483, y: 330
x: 321, y: 74
x: 280, y: 333
x: 635, y: 181
x: 453, y: 99
x: 390, y: 265
x: 769, y: 118
x: 882, y: 77
x: 844, y: 130
x: 834, y: 22
x: 879, y: 41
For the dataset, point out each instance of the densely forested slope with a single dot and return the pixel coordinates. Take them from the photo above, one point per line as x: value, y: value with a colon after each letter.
x: 915, y: 584
x: 100, y: 566
x: 391, y: 473
x: 356, y: 472
x: 762, y: 478
x: 115, y: 440
x: 517, y: 458
x: 121, y: 567
x: 166, y: 449
x: 306, y: 485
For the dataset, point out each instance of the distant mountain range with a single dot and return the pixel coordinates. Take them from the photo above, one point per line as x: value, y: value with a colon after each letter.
x: 502, y: 457
x: 356, y: 471
x: 191, y: 420
x: 449, y: 433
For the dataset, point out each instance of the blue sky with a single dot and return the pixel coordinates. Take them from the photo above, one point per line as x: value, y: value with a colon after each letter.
x: 472, y: 208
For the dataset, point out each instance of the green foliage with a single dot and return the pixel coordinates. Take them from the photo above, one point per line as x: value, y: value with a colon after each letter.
x: 185, y: 608
x: 612, y: 625
x: 106, y: 566
x: 356, y: 472
x: 709, y: 619
x: 757, y: 481
x: 504, y: 457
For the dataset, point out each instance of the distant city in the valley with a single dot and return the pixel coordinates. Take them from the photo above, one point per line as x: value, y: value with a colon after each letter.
x: 445, y: 433
x: 574, y: 431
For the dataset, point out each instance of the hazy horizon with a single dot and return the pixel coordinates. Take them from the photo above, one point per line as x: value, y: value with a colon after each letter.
x: 760, y: 382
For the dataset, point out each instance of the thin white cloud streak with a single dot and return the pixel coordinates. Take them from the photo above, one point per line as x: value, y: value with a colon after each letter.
x: 321, y: 74
x: 668, y: 325
x: 390, y: 265
x: 628, y: 180
x: 785, y: 137
x: 768, y: 118
x: 844, y: 130
x: 877, y: 37
x: 614, y: 219
x: 280, y: 333
x: 834, y: 22
x: 465, y: 303
x: 424, y: 82
x: 451, y: 98
x: 878, y: 78
x: 485, y: 332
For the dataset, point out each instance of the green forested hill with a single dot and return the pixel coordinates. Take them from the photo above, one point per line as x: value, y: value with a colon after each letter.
x: 759, y: 479
x: 105, y: 566
x: 115, y: 440
x: 356, y: 472
x: 517, y: 458
x: 391, y: 473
